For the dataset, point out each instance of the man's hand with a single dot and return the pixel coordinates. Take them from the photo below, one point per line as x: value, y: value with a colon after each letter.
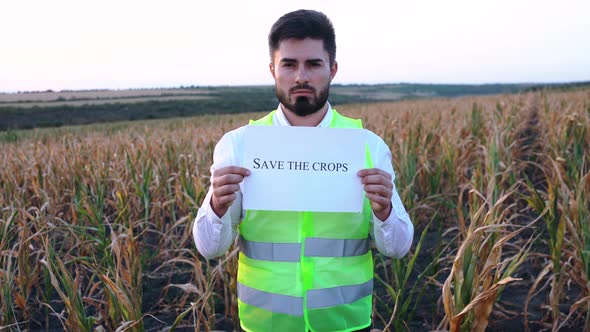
x: 378, y: 186
x: 225, y: 182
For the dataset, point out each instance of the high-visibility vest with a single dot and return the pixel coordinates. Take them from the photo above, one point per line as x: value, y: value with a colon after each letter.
x: 306, y: 271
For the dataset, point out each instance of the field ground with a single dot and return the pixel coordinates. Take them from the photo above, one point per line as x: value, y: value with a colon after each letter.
x: 95, y: 220
x: 126, y: 100
x: 51, y: 96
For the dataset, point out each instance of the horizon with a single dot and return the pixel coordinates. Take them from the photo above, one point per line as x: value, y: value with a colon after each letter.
x: 270, y: 85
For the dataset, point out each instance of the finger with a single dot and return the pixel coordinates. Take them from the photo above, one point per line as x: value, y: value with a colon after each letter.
x: 219, y: 181
x: 225, y: 201
x: 380, y: 190
x: 226, y: 190
x: 378, y: 203
x: 231, y: 170
x: 377, y: 180
x: 373, y: 171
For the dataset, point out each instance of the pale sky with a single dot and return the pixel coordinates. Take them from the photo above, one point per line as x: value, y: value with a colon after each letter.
x: 133, y: 44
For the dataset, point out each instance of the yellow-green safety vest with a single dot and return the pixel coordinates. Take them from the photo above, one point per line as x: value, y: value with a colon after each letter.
x: 306, y: 271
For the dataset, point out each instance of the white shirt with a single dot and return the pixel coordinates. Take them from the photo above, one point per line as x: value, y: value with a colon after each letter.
x: 213, y: 235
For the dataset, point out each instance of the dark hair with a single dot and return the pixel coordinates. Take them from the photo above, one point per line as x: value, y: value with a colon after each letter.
x: 303, y: 24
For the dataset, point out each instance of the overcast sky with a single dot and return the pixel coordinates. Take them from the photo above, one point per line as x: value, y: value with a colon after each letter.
x: 131, y: 44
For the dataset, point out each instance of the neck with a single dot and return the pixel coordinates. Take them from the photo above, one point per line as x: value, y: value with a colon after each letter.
x: 311, y: 120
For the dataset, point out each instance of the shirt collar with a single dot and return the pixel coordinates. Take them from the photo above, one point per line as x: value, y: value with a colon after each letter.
x: 281, y: 120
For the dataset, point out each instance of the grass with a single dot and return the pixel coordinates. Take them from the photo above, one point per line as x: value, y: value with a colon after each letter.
x: 96, y: 221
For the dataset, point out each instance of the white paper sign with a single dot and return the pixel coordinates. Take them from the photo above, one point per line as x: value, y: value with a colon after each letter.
x: 303, y: 169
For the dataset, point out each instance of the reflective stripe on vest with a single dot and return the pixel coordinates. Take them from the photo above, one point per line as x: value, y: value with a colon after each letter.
x: 336, y: 247
x: 291, y: 252
x: 329, y: 297
x: 316, y: 298
x: 285, y: 304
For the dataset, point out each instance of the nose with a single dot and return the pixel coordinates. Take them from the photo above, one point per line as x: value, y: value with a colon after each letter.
x: 302, y: 75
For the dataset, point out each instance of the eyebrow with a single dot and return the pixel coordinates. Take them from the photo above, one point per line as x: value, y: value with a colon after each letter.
x: 295, y: 60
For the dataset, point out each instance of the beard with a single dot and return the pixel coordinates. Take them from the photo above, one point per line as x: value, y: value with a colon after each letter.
x: 303, y: 106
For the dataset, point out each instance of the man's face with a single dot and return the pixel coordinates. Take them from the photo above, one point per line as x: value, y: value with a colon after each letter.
x: 302, y: 73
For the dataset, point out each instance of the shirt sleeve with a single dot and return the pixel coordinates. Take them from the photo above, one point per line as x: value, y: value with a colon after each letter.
x: 393, y: 236
x: 214, y: 234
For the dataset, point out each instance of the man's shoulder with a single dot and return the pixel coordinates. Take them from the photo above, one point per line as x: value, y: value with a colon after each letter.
x: 372, y: 136
x: 234, y: 136
x: 375, y: 141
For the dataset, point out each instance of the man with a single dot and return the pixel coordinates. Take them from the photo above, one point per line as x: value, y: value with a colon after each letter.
x: 303, y: 271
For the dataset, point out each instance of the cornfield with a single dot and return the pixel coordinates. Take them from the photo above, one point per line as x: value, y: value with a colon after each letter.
x: 96, y: 221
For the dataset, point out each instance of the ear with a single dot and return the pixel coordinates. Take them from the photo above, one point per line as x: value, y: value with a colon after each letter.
x: 271, y: 67
x: 333, y: 70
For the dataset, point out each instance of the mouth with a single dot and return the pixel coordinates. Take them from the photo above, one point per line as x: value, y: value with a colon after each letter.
x: 301, y: 92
